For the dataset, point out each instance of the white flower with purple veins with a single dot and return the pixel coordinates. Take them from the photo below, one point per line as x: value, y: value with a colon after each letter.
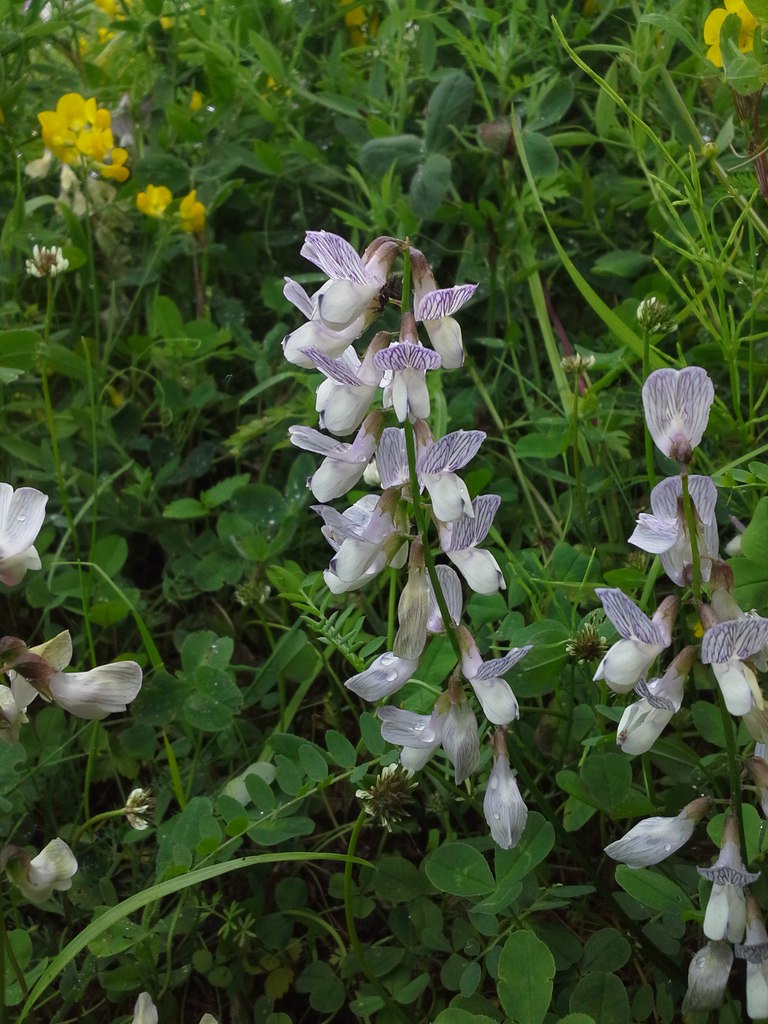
x: 460, y: 740
x: 459, y: 541
x: 665, y: 532
x: 407, y: 392
x: 726, y: 915
x: 451, y: 588
x: 39, y: 877
x: 725, y: 647
x: 392, y: 458
x: 385, y: 676
x: 654, y: 839
x: 485, y: 677
x: 504, y: 808
x: 644, y: 721
x: 677, y: 404
x: 755, y: 952
x: 642, y: 639
x: 434, y: 307
x: 436, y: 469
x: 366, y: 539
x: 343, y: 464
x: 418, y: 735
x: 344, y: 396
x: 21, y: 515
x: 355, y: 282
x: 314, y: 334
x: 708, y: 977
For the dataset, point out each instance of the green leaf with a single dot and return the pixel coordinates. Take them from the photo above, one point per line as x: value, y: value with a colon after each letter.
x: 514, y: 865
x: 709, y: 722
x: 454, y: 1015
x: 754, y: 540
x: 542, y: 446
x: 652, y: 889
x: 313, y: 762
x: 606, y: 950
x: 551, y: 105
x: 326, y: 993
x: 18, y: 348
x: 223, y: 490
x: 608, y: 777
x: 378, y: 155
x: 526, y: 970
x: 603, y: 997
x: 540, y: 154
x: 430, y: 184
x: 758, y: 7
x: 449, y: 107
x: 184, y: 508
x: 621, y: 263
x: 459, y: 869
x: 340, y: 749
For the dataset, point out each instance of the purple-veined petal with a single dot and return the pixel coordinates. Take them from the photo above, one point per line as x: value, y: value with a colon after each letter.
x: 406, y: 355
x: 503, y: 806
x: 392, y: 458
x: 451, y: 452
x: 735, y: 638
x: 654, y: 535
x: 444, y: 301
x: 451, y: 588
x: 485, y: 506
x: 460, y: 741
x: 677, y: 404
x: 334, y: 256
x: 311, y: 440
x: 384, y: 677
x: 498, y: 666
x: 343, y: 371
x: 449, y: 494
x: 629, y: 621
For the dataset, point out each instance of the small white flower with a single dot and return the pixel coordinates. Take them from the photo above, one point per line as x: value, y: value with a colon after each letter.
x: 755, y: 952
x: 436, y: 469
x: 725, y: 917
x: 21, y: 516
x: 726, y: 646
x: 50, y: 870
x: 708, y: 977
x: 413, y: 608
x: 104, y: 690
x: 643, y: 722
x: 343, y: 464
x: 485, y: 677
x: 459, y: 541
x: 654, y: 839
x: 349, y: 387
x: 145, y: 1011
x: 460, y: 739
x: 642, y: 639
x: 418, y: 735
x: 434, y: 307
x: 46, y: 262
x: 677, y: 404
x: 385, y: 676
x: 366, y: 537
x: 407, y: 361
x: 504, y: 808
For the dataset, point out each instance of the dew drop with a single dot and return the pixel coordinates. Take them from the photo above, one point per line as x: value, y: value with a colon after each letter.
x: 667, y: 848
x: 391, y: 676
x: 21, y: 517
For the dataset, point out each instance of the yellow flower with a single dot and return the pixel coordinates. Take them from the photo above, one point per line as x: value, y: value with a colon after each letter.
x: 714, y: 24
x: 167, y: 23
x: 104, y: 34
x: 195, y: 101
x: 361, y: 26
x: 115, y: 169
x: 97, y: 140
x: 192, y: 213
x: 154, y: 201
x: 77, y: 128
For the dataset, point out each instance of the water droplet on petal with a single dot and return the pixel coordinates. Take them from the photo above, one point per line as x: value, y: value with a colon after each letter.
x: 21, y: 517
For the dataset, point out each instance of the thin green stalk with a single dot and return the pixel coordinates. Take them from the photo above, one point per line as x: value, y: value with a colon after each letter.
x: 94, y: 820
x: 577, y: 461
x: 50, y: 414
x: 690, y: 525
x: 650, y: 467
x: 733, y: 768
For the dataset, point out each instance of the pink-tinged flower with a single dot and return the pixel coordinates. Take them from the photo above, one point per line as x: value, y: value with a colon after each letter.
x: 459, y: 541
x: 350, y: 385
x: 726, y: 646
x: 343, y: 464
x: 419, y: 735
x: 385, y: 676
x: 460, y: 738
x: 366, y: 537
x: 355, y: 282
x: 436, y: 469
x: 642, y: 639
x: 677, y: 404
x: 314, y: 334
x: 39, y: 877
x: 503, y: 807
x: 407, y: 361
x: 485, y: 677
x: 665, y: 532
x: 434, y: 307
x: 643, y: 722
x: 451, y: 588
x: 726, y: 915
x: 21, y: 516
x: 654, y: 839
x: 708, y: 977
x: 755, y: 952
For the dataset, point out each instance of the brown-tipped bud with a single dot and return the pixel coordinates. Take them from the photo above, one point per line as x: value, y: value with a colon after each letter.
x: 745, y: 105
x: 421, y: 270
x: 408, y: 331
x: 697, y: 808
x: 758, y: 769
x: 682, y: 663
x: 666, y: 613
x: 756, y: 722
x: 424, y: 436
x: 707, y: 617
x: 498, y: 739
x: 383, y: 248
x: 721, y: 576
x: 36, y: 671
x: 11, y: 648
x: 498, y: 138
x: 379, y: 341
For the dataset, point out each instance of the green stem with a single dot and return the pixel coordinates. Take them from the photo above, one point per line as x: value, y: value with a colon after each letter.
x: 354, y: 940
x: 733, y: 768
x: 650, y: 468
x: 690, y: 525
x: 577, y: 461
x: 94, y: 820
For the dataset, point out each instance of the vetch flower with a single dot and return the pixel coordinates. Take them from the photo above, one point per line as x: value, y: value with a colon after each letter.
x: 434, y: 307
x: 145, y: 1011
x: 154, y: 201
x: 316, y: 335
x: 726, y: 646
x: 12, y: 716
x: 708, y: 977
x: 39, y: 877
x: 413, y: 607
x: 343, y: 464
x: 643, y: 722
x: 459, y: 541
x: 460, y: 737
x: 436, y: 469
x: 355, y: 282
x: 367, y: 537
x: 485, y: 677
x: 350, y: 385
x: 642, y: 639
x: 665, y: 532
x: 385, y: 676
x: 757, y: 767
x: 46, y: 262
x: 408, y: 361
x: 755, y: 952
x: 677, y: 404
x: 714, y: 23
x: 726, y: 914
x: 191, y: 213
x: 654, y: 839
x: 503, y: 807
x: 21, y: 516
x: 451, y: 588
x: 418, y: 735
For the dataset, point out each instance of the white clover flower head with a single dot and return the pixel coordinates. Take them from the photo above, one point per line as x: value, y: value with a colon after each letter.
x: 726, y: 646
x: 654, y: 839
x: 138, y: 807
x: 726, y: 915
x: 708, y: 977
x: 665, y: 531
x: 39, y: 877
x: 503, y: 806
x: 642, y: 639
x: 22, y: 512
x: 46, y: 262
x: 643, y: 722
x: 655, y: 317
x: 755, y: 951
x: 387, y: 798
x: 677, y: 404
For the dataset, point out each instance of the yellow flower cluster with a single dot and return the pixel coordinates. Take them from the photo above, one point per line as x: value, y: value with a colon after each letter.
x: 78, y: 131
x: 156, y: 199
x: 714, y: 24
x: 362, y: 26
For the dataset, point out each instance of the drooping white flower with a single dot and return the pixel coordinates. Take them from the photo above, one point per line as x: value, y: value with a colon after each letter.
x: 726, y: 646
x: 755, y: 952
x: 413, y: 607
x: 485, y: 677
x: 708, y: 977
x: 654, y: 839
x: 385, y: 676
x: 104, y: 690
x: 434, y: 307
x: 419, y: 735
x: 503, y: 806
x: 450, y: 586
x: 12, y: 716
x: 407, y: 362
x: 345, y: 395
x: 460, y: 737
x: 436, y: 469
x: 642, y: 639
x: 459, y: 541
x: 366, y: 537
x: 355, y: 282
x: 343, y: 464
x: 145, y: 1012
x: 677, y: 404
x: 726, y: 914
x: 643, y: 722
x: 39, y: 877
x: 315, y: 335
x: 21, y: 516
x: 665, y: 532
